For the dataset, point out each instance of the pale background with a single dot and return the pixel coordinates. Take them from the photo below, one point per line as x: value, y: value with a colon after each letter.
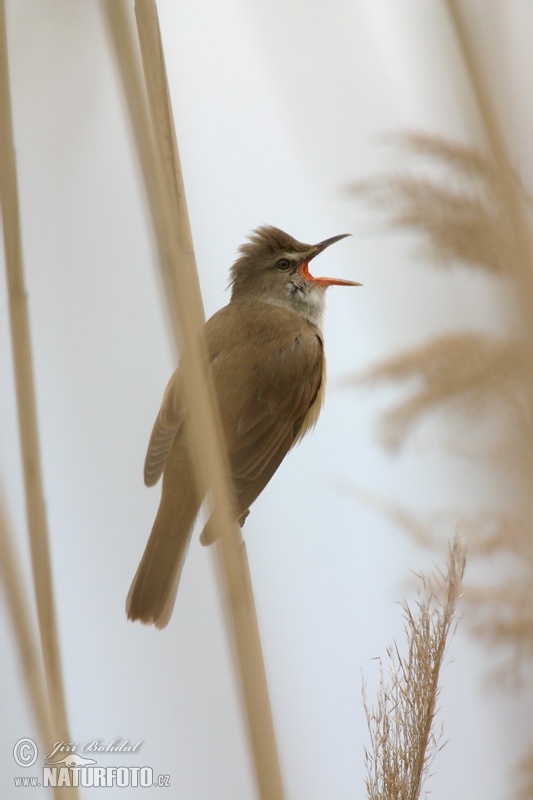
x: 278, y: 107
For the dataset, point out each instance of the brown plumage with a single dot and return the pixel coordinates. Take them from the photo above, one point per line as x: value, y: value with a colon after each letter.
x: 267, y: 359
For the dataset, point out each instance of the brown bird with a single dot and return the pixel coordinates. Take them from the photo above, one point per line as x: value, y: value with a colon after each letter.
x: 266, y: 353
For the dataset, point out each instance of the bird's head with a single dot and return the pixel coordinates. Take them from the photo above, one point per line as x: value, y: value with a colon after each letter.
x: 274, y: 267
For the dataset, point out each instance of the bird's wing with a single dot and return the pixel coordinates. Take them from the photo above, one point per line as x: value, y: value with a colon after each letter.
x: 268, y: 366
x: 166, y: 426
x: 267, y: 379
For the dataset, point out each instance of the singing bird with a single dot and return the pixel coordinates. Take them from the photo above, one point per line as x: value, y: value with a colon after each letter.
x: 266, y: 353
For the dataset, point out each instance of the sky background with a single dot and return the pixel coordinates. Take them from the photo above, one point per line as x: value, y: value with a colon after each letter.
x: 279, y: 107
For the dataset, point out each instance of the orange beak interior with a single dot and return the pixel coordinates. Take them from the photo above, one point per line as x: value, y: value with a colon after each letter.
x: 325, y: 282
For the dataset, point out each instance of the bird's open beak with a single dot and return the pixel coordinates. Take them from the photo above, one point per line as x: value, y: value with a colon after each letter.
x: 325, y: 282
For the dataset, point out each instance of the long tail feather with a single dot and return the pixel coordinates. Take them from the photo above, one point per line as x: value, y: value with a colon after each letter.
x: 153, y: 590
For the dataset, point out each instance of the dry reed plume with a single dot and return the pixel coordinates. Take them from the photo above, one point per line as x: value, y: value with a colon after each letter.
x: 466, y: 372
x: 463, y: 217
x: 403, y: 741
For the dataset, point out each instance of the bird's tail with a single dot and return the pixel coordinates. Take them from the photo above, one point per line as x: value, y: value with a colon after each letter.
x: 153, y: 590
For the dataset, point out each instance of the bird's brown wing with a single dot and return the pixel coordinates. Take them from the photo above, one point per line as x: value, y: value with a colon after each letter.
x: 166, y: 426
x: 268, y: 366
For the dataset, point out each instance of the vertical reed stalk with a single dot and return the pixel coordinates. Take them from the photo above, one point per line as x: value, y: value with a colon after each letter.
x: 26, y: 405
x: 27, y: 643
x: 126, y: 51
x: 180, y: 277
x: 19, y: 610
x: 510, y: 189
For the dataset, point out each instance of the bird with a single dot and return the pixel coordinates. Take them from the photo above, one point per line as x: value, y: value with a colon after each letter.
x: 266, y: 355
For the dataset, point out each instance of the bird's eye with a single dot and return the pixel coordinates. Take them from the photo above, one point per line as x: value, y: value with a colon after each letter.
x: 284, y: 264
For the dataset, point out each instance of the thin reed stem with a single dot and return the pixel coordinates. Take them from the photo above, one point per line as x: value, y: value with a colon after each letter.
x: 26, y: 406
x: 23, y: 631
x: 511, y: 191
x: 180, y: 277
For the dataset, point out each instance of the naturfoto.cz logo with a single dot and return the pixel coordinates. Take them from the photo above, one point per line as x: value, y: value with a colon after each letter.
x: 71, y: 769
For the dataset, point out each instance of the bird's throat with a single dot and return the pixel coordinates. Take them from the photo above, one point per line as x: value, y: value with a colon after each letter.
x: 309, y: 300
x: 306, y: 300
